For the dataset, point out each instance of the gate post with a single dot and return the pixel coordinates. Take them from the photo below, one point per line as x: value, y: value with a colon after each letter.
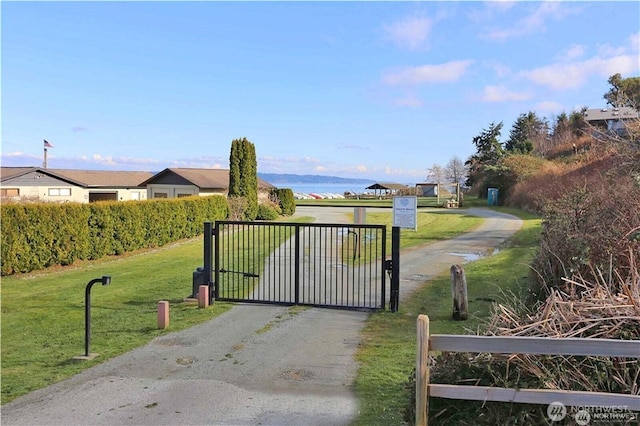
x: 296, y: 263
x: 395, y: 269
x: 208, y: 235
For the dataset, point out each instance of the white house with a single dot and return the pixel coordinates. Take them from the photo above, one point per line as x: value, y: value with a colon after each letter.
x: 183, y: 182
x: 87, y: 186
x: 67, y: 185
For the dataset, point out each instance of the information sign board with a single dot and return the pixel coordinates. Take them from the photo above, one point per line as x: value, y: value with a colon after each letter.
x: 405, y: 212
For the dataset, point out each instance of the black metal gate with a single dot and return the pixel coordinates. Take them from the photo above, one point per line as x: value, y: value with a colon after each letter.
x: 328, y: 265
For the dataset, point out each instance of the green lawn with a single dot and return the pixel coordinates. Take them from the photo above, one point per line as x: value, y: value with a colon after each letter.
x: 369, y: 202
x: 432, y: 226
x: 388, y: 350
x: 43, y: 312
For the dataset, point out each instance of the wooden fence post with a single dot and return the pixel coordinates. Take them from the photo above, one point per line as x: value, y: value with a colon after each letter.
x: 422, y: 371
x: 459, y: 293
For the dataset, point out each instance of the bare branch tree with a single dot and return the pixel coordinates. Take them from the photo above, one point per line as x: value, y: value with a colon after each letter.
x: 456, y: 171
x: 436, y: 174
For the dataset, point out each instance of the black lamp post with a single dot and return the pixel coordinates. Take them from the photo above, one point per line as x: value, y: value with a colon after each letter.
x: 105, y: 280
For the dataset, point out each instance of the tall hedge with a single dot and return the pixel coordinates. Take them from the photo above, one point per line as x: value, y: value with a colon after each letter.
x: 243, y: 175
x: 38, y: 235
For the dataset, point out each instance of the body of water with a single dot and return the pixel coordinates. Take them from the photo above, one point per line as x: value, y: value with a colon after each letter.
x: 319, y: 188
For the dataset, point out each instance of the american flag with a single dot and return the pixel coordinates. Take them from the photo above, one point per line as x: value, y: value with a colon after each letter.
x: 47, y: 144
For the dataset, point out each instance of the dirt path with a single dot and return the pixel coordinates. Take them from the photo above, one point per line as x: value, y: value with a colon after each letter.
x: 254, y: 365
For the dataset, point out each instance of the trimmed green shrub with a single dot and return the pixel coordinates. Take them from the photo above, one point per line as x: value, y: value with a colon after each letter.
x: 39, y: 235
x: 267, y: 212
x: 286, y: 200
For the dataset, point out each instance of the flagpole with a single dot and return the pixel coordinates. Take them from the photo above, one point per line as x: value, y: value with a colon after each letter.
x: 46, y: 145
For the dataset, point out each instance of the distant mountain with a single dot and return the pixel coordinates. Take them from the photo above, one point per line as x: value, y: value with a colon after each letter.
x: 278, y: 178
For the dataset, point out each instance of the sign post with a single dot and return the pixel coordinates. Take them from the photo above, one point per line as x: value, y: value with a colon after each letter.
x: 405, y: 212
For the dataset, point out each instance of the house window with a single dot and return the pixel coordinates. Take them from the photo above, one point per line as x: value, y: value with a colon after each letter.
x: 184, y: 195
x: 159, y: 195
x: 9, y: 192
x: 59, y: 192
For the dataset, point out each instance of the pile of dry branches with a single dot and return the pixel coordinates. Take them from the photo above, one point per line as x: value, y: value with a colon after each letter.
x: 596, y: 312
x: 608, y: 309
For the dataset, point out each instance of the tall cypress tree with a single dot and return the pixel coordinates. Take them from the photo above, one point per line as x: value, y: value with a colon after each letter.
x: 235, y: 164
x: 243, y: 175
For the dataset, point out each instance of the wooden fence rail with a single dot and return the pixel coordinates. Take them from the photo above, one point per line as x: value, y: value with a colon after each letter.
x: 515, y: 345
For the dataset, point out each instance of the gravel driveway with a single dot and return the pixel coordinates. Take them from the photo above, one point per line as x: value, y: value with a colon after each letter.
x: 253, y: 365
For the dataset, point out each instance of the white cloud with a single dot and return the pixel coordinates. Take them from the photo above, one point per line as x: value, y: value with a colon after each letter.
x: 634, y: 40
x: 500, y: 5
x: 574, y: 52
x: 410, y: 101
x: 411, y: 33
x: 490, y: 9
x: 532, y: 23
x: 354, y: 147
x: 574, y: 75
x: 16, y: 154
x: 499, y: 69
x: 107, y: 160
x: 447, y: 72
x: 502, y: 94
x: 549, y: 107
x: 389, y: 171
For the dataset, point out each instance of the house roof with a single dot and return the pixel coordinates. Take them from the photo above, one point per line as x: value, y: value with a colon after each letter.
x: 387, y: 185
x: 105, y: 178
x: 203, y: 178
x: 7, y: 173
x: 84, y: 178
x: 604, y: 114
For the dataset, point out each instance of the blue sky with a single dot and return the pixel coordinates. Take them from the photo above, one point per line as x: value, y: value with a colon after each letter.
x: 377, y: 90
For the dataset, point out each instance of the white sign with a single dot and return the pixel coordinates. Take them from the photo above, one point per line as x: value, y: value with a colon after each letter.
x: 405, y: 210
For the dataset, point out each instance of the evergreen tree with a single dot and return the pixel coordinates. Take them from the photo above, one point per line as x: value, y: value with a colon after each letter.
x: 623, y: 92
x: 243, y: 175
x: 488, y: 151
x: 235, y: 167
x: 488, y: 148
x: 578, y: 124
x: 527, y: 133
x: 561, y: 132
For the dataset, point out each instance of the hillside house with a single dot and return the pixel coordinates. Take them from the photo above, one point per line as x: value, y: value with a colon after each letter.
x: 611, y: 120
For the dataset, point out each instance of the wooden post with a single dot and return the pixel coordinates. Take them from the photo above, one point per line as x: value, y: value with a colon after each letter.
x: 422, y: 371
x: 163, y: 314
x: 203, y: 296
x: 459, y: 293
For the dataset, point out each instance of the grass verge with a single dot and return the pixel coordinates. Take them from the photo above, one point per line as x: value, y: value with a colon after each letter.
x: 43, y: 312
x: 387, y: 351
